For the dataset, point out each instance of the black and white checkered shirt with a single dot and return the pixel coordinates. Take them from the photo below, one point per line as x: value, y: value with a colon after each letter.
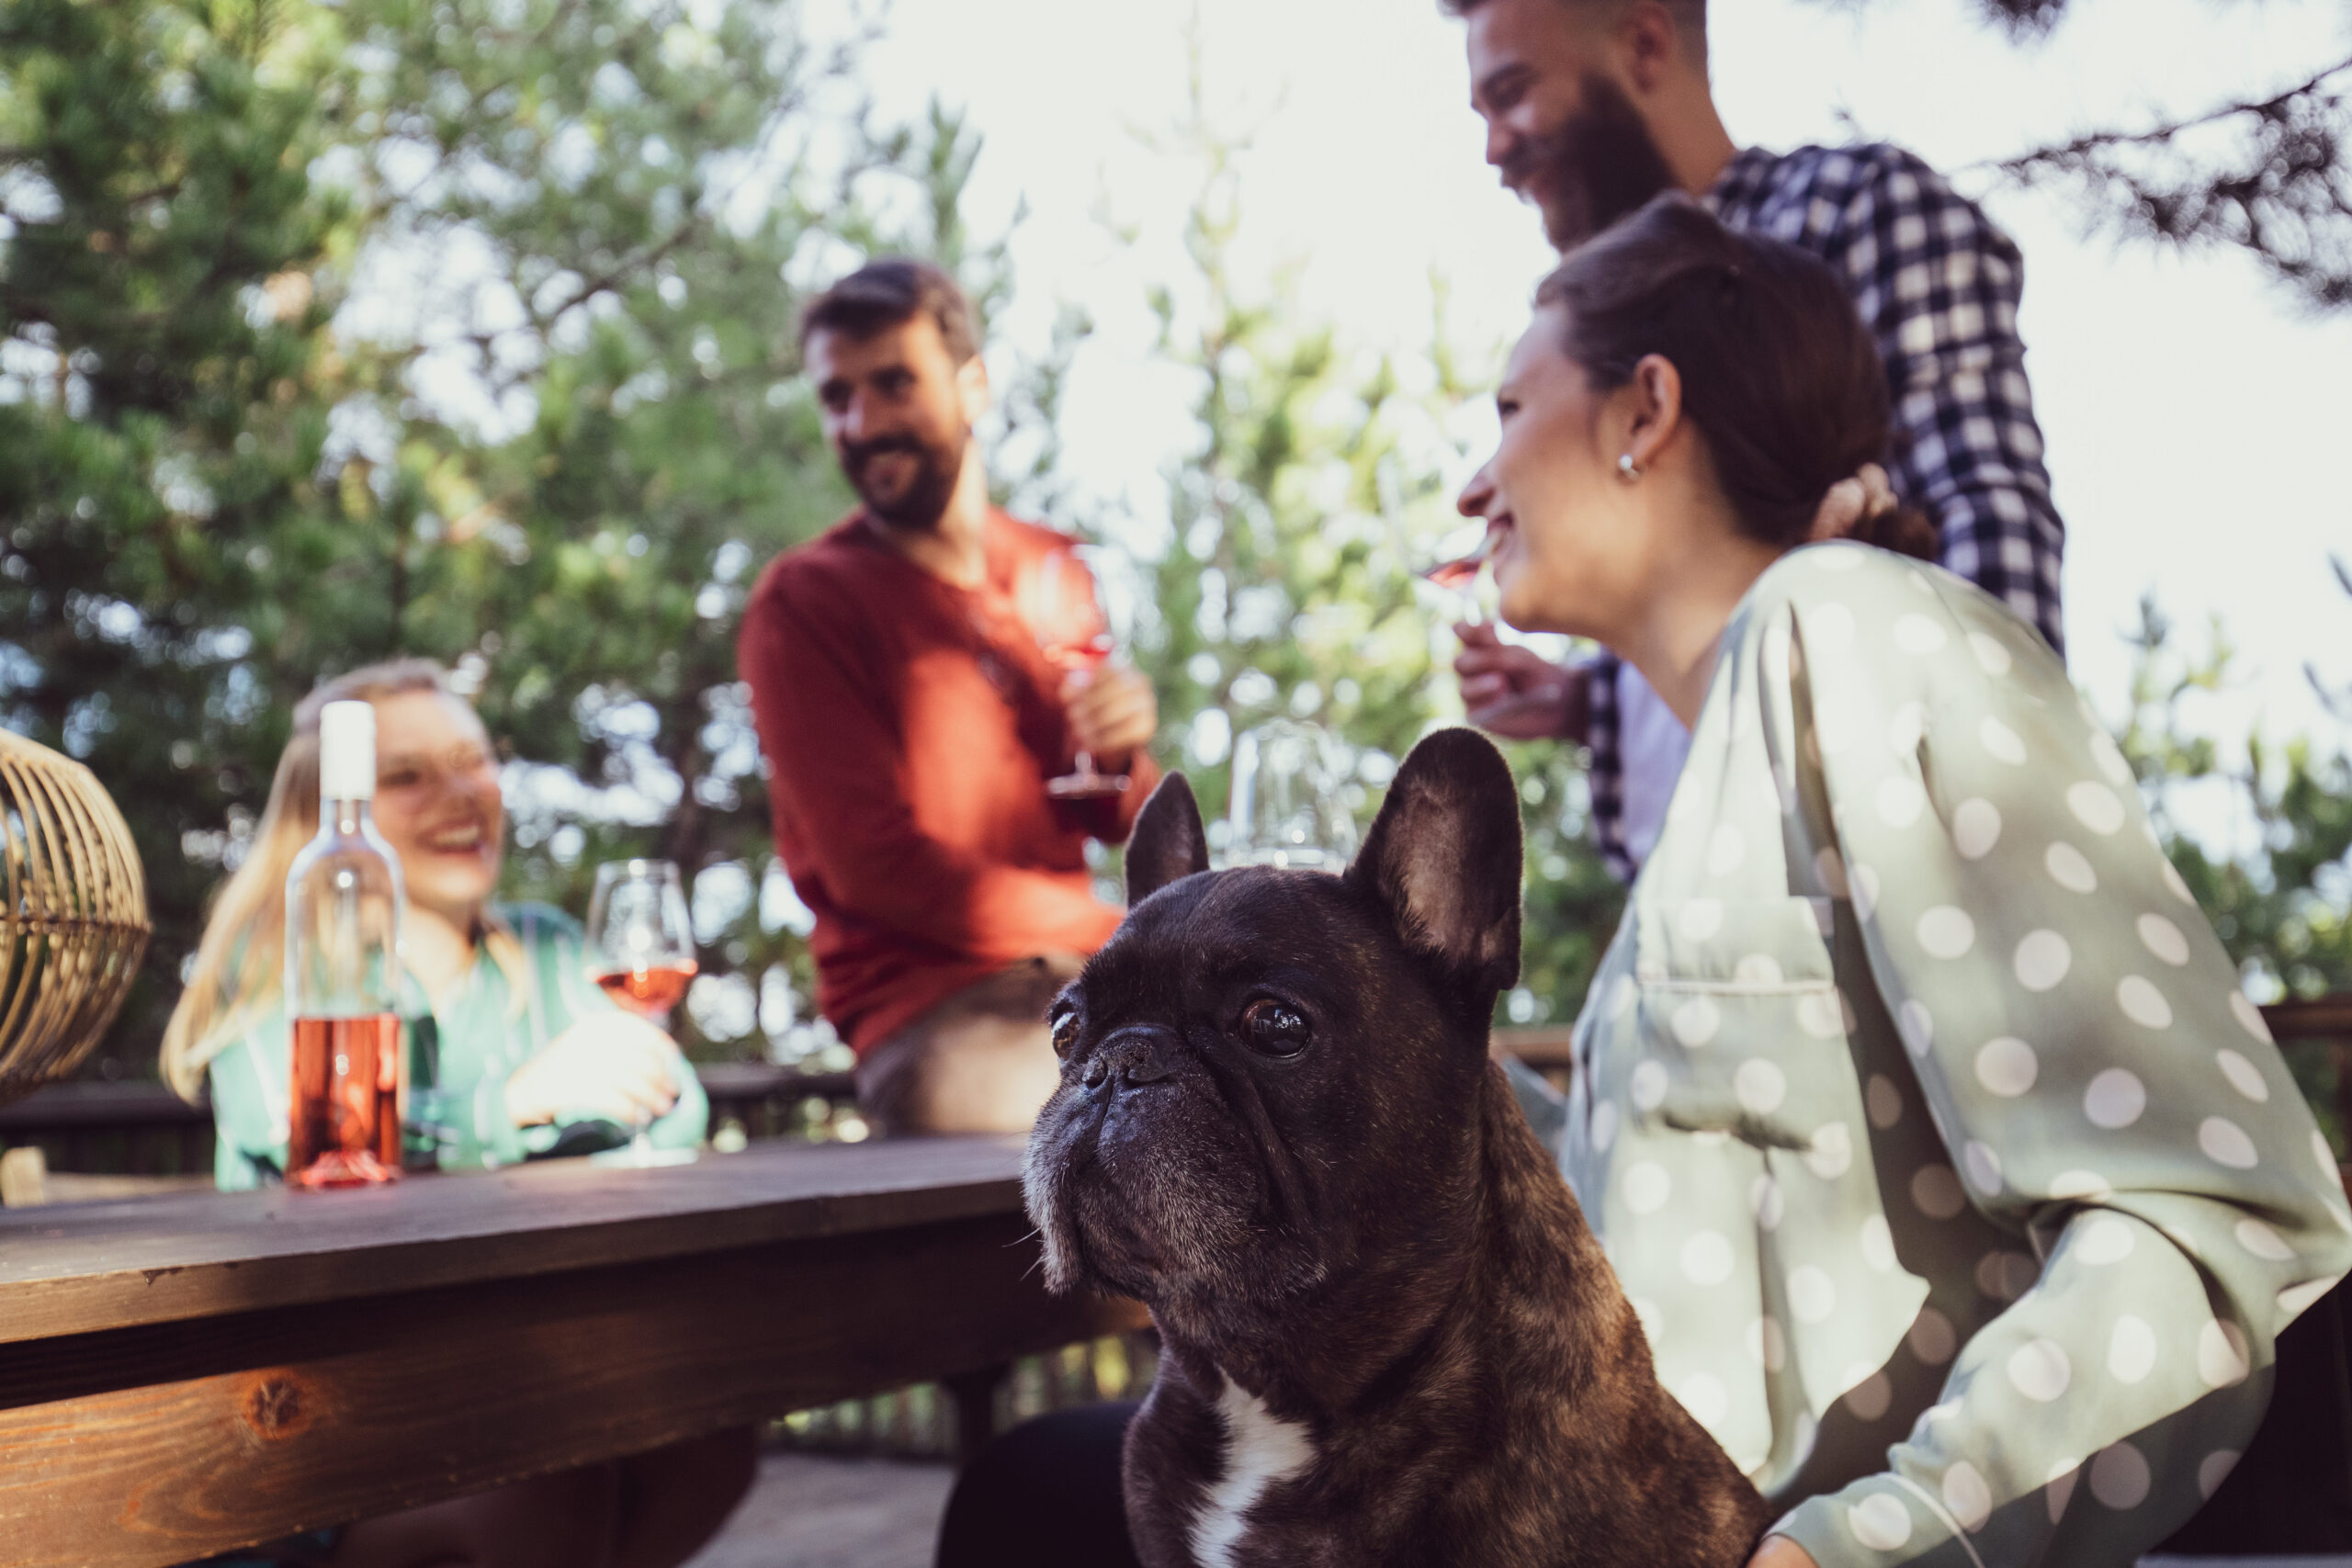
x: 1939, y: 286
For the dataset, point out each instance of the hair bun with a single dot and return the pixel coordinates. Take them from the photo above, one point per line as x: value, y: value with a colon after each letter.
x: 1780, y: 378
x: 1905, y: 530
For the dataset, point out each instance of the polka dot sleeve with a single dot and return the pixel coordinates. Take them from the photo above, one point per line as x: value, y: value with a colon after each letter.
x: 2105, y: 1094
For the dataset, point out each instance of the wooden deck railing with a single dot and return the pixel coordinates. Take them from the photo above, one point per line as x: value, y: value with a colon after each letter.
x: 144, y: 1129
x: 2318, y: 1024
x: 2320, y: 1019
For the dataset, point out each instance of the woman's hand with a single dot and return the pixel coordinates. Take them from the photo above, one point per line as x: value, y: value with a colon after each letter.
x: 610, y: 1065
x: 1112, y: 712
x: 1515, y: 692
x: 1779, y: 1552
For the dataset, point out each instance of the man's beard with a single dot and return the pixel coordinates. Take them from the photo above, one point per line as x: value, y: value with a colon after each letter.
x: 939, y: 468
x: 1599, y: 166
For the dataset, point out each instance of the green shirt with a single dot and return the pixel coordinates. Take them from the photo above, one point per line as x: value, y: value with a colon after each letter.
x: 1961, y: 1191
x: 461, y: 1054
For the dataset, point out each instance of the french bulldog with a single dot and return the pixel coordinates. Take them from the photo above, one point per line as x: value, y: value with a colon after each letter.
x: 1388, y: 1336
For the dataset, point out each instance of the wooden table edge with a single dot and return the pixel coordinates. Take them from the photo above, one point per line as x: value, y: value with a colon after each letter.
x: 151, y: 1289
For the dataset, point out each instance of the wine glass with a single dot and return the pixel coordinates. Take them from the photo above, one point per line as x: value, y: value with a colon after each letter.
x: 1287, y: 808
x: 1074, y: 635
x: 641, y: 953
x: 1452, y: 562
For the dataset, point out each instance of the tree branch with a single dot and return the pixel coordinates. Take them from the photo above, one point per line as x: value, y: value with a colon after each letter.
x: 2283, y: 192
x: 2022, y: 164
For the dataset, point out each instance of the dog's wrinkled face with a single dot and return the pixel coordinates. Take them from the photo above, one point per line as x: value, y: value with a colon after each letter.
x: 1266, y: 1074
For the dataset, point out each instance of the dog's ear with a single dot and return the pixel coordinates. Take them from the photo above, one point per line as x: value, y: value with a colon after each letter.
x: 1443, y: 858
x: 1168, y: 842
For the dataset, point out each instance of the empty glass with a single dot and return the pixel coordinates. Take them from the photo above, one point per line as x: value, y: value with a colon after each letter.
x: 1288, y: 809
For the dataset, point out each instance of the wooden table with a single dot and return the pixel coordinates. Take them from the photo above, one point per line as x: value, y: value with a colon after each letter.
x: 181, y: 1375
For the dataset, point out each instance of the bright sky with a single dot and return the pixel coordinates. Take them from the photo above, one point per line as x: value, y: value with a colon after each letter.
x: 2196, y: 416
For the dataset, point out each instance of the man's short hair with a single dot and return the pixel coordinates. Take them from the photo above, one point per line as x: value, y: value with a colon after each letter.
x: 1689, y: 17
x: 890, y: 291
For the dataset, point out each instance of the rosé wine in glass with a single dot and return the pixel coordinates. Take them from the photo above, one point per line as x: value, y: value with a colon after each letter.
x: 653, y: 990
x: 641, y: 953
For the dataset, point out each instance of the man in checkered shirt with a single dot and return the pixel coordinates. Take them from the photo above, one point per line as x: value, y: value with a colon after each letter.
x: 1592, y: 107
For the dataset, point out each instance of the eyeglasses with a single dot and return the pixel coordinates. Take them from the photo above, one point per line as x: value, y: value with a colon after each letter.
x: 417, y: 771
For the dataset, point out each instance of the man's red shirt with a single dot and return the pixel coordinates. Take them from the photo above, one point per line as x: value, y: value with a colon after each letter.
x: 909, y: 726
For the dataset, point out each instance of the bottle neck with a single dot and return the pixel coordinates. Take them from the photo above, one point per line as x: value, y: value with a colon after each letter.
x: 345, y: 817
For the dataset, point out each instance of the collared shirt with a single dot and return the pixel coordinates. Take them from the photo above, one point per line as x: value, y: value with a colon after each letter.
x: 1960, y: 1190
x: 1938, y: 284
x: 462, y: 1047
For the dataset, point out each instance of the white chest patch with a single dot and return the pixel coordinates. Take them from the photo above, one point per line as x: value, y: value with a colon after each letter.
x: 1260, y: 1449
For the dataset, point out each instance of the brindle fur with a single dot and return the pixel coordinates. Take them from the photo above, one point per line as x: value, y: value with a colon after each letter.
x: 1366, y: 1236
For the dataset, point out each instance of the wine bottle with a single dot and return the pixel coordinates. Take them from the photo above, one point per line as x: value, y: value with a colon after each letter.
x: 344, y: 904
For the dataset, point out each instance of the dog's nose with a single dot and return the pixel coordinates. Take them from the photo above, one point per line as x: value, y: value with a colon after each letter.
x: 1130, y: 1059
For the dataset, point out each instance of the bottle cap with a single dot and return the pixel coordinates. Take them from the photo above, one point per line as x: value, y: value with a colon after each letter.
x: 347, y: 751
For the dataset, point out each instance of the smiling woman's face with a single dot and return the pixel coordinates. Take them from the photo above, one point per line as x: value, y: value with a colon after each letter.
x: 437, y: 801
x: 1572, y: 554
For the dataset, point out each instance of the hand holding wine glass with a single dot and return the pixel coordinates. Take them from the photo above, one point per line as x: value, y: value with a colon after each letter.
x: 1111, y: 710
x: 1514, y: 692
x: 1506, y: 689
x: 615, y: 1066
x: 642, y: 953
x: 1450, y: 565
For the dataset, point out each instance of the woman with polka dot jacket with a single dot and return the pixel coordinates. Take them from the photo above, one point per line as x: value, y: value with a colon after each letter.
x: 1961, y: 1190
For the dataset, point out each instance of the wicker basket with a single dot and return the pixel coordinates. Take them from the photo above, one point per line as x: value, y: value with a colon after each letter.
x: 73, y: 924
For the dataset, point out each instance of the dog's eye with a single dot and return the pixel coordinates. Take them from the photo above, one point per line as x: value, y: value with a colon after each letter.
x: 1274, y: 1028
x: 1065, y: 1033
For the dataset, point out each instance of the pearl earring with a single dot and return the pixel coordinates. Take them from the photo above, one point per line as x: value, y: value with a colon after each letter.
x: 1626, y: 468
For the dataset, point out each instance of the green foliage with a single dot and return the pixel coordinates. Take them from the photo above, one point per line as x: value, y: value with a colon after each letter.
x: 166, y: 551
x: 462, y: 328
x: 621, y: 192
x: 466, y: 328
x: 2284, y: 910
x: 1286, y: 585
x: 1573, y: 904
x: 2281, y: 909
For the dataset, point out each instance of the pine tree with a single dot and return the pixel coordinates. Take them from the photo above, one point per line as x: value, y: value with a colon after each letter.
x: 461, y: 328
x: 166, y: 384
x: 2268, y: 172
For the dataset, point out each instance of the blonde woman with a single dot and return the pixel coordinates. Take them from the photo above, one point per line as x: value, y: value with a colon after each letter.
x: 518, y: 1046
x: 521, y: 1047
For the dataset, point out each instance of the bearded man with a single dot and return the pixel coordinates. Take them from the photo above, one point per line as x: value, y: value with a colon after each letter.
x: 911, y: 719
x: 1593, y: 108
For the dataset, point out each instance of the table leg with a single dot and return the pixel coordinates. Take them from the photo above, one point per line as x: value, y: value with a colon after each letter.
x: 2340, y: 1053
x: 975, y: 1394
